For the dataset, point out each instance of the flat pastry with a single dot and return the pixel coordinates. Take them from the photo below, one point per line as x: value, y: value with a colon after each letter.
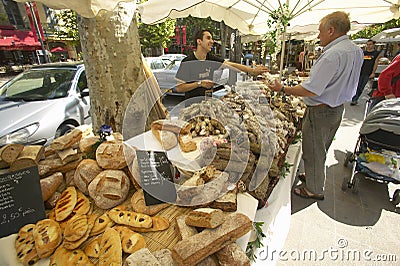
x: 130, y: 218
x: 130, y: 240
x: 93, y: 248
x: 48, y: 236
x: 101, y: 224
x: 110, y: 248
x: 65, y: 257
x: 82, y: 205
x: 25, y: 245
x: 76, y: 227
x: 66, y: 204
x: 159, y: 223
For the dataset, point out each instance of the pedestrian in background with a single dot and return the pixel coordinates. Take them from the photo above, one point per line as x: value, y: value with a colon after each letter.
x: 332, y: 82
x: 388, y: 83
x: 371, y: 58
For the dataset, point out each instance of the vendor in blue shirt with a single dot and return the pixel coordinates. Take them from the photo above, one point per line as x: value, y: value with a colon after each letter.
x: 332, y: 81
x: 195, y: 75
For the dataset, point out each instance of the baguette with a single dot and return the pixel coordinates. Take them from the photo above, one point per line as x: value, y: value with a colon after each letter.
x: 194, y: 249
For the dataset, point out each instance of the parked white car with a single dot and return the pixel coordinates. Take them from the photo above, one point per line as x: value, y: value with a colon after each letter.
x: 44, y: 102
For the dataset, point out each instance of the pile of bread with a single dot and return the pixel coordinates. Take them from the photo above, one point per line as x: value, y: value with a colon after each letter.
x: 73, y: 233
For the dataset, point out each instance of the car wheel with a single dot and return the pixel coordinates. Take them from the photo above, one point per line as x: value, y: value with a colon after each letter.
x: 64, y: 129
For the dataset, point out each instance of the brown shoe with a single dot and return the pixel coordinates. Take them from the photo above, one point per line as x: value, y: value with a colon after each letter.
x: 304, y: 193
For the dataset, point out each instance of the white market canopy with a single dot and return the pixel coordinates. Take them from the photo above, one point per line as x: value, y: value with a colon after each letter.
x: 390, y: 35
x: 250, y: 16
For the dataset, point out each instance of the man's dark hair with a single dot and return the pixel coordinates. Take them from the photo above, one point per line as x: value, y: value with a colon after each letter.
x: 199, y: 35
x: 371, y: 41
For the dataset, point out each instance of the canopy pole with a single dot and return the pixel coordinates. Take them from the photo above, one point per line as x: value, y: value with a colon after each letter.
x: 38, y: 34
x: 282, y: 52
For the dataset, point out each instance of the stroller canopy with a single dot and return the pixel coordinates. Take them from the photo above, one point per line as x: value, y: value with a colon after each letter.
x: 385, y: 116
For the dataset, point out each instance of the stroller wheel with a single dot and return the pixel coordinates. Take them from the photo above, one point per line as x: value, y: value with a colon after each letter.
x: 356, y: 182
x: 348, y: 158
x: 345, y: 183
x: 396, y: 197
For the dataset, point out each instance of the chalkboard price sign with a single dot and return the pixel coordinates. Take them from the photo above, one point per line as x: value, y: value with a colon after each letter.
x: 20, y: 200
x: 156, y: 174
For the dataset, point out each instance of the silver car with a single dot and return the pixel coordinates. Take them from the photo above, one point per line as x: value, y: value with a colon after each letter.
x: 44, y: 102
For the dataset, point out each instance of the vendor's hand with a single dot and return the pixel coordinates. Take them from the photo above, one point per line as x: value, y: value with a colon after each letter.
x: 390, y: 96
x: 206, y: 83
x: 372, y: 76
x: 258, y: 70
x: 275, y: 86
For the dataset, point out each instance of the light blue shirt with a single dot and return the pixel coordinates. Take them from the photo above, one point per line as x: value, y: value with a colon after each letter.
x: 334, y: 76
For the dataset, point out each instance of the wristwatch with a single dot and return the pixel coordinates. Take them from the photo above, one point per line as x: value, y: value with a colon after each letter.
x: 199, y: 83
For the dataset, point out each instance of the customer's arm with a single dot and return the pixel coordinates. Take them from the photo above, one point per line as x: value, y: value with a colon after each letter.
x: 297, y: 90
x: 252, y: 71
x: 372, y: 75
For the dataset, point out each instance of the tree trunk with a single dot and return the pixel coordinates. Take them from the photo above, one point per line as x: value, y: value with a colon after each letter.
x: 112, y: 57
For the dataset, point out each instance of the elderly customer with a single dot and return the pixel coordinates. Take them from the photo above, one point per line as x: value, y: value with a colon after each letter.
x: 332, y: 82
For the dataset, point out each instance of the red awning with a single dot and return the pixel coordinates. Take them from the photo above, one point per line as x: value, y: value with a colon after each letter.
x: 58, y: 49
x: 18, y: 40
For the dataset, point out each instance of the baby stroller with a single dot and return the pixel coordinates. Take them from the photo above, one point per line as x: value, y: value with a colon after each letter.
x: 377, y: 152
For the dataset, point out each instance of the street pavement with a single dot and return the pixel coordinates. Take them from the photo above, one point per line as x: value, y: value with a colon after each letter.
x: 345, y: 228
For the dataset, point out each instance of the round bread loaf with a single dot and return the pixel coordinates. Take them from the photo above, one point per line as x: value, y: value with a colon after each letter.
x: 85, y: 172
x: 109, y: 188
x: 114, y: 155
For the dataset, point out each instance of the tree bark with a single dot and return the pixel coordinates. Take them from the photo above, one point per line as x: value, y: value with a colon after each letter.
x: 112, y: 57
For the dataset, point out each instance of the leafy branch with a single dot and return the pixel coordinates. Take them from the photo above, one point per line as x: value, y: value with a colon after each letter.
x: 285, y: 168
x: 257, y: 243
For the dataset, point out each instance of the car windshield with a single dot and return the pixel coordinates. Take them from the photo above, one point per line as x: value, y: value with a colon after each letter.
x: 38, y: 84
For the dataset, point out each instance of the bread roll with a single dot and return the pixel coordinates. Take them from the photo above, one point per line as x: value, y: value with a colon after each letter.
x: 109, y: 188
x: 85, y: 172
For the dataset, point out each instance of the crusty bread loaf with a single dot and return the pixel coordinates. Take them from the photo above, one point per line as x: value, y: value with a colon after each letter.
x: 142, y: 257
x: 205, y: 217
x: 25, y: 245
x: 167, y: 139
x: 48, y: 236
x: 194, y: 249
x: 176, y: 126
x: 110, y: 155
x: 232, y: 254
x: 85, y: 172
x: 50, y: 184
x: 109, y: 188
x: 67, y: 140
x: 227, y: 202
x: 139, y: 204
x: 86, y: 143
x: 164, y: 257
x: 130, y: 240
x: 185, y: 231
x: 110, y: 248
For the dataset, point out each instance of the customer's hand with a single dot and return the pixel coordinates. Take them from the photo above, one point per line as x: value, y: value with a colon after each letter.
x: 390, y: 96
x: 205, y: 83
x: 275, y: 86
x: 259, y: 70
